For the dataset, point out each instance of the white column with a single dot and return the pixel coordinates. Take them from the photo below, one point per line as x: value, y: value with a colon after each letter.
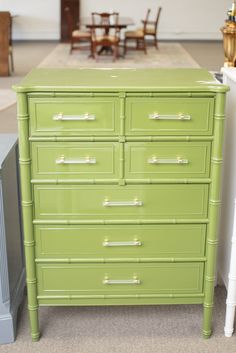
x: 231, y: 295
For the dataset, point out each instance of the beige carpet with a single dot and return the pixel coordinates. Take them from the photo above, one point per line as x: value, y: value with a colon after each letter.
x: 7, y: 98
x: 169, y: 55
x: 131, y: 329
x: 7, y: 95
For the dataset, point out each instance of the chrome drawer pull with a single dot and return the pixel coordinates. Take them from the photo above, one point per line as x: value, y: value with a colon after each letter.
x: 178, y: 160
x: 156, y: 116
x: 86, y: 160
x: 135, y: 242
x: 108, y: 203
x: 83, y: 117
x: 121, y: 281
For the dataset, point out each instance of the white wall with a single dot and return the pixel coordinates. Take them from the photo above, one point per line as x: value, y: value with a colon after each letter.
x: 35, y: 19
x: 181, y: 19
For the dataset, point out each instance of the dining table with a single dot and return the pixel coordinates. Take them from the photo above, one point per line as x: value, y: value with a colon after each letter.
x: 123, y: 22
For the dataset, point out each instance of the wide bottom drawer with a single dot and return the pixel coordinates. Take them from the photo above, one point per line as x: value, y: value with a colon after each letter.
x: 117, y: 279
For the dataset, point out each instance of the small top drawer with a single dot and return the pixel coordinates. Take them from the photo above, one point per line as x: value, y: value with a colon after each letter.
x: 169, y: 116
x: 75, y: 160
x: 74, y: 116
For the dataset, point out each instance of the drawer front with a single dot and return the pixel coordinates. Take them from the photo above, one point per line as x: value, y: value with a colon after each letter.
x: 125, y: 202
x: 70, y: 160
x: 82, y: 279
x: 74, y: 116
x: 167, y: 160
x: 163, y: 241
x: 169, y: 116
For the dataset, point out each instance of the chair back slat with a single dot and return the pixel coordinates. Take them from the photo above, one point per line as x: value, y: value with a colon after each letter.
x: 102, y: 22
x: 145, y: 22
x: 158, y: 17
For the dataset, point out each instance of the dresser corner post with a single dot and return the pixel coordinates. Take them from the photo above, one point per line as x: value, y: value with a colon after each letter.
x: 213, y: 212
x: 27, y: 212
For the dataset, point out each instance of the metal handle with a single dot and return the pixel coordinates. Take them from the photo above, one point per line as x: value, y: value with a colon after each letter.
x: 134, y: 280
x: 82, y: 117
x: 178, y: 160
x: 108, y: 203
x: 86, y: 160
x: 180, y: 116
x: 135, y: 242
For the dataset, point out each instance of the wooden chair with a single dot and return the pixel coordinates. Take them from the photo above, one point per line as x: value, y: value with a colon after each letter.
x: 11, y: 46
x: 151, y: 27
x: 138, y: 36
x: 105, y: 33
x: 76, y: 35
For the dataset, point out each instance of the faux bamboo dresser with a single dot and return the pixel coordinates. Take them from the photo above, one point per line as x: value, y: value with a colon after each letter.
x: 120, y: 186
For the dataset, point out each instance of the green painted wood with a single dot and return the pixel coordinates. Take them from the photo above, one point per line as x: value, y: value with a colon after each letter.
x: 158, y: 201
x: 97, y: 80
x: 199, y: 111
x: 105, y: 112
x: 82, y: 160
x: 140, y: 160
x: 65, y: 221
x: 105, y: 300
x: 214, y: 204
x: 27, y: 212
x: 163, y: 241
x: 154, y: 278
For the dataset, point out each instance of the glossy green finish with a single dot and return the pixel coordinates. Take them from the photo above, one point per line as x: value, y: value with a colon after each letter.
x: 87, y: 242
x: 27, y: 213
x: 139, y: 154
x: 104, y: 154
x: 168, y: 242
x: 200, y: 111
x: 85, y: 279
x: 104, y: 300
x: 105, y: 111
x: 214, y: 204
x: 86, y: 202
x: 72, y: 81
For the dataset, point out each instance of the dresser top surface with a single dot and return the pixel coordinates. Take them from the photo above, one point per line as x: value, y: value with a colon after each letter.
x: 39, y: 80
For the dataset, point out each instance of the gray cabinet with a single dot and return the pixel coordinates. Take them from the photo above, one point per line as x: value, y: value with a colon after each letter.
x: 12, y: 270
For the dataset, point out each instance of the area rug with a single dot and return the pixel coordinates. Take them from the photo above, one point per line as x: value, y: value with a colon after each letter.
x: 7, y: 98
x: 168, y: 55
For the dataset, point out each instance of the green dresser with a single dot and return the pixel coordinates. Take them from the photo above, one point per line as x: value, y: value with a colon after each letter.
x: 120, y: 174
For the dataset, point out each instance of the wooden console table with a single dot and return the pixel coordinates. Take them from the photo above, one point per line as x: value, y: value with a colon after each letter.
x: 5, y: 25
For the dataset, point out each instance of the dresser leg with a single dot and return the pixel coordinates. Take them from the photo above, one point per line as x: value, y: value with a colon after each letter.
x: 34, y: 323
x: 207, y: 318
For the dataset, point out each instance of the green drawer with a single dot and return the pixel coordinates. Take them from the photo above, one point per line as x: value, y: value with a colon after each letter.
x: 120, y: 241
x: 70, y: 160
x: 167, y: 160
x: 126, y: 278
x: 74, y: 116
x: 169, y: 116
x: 129, y: 202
